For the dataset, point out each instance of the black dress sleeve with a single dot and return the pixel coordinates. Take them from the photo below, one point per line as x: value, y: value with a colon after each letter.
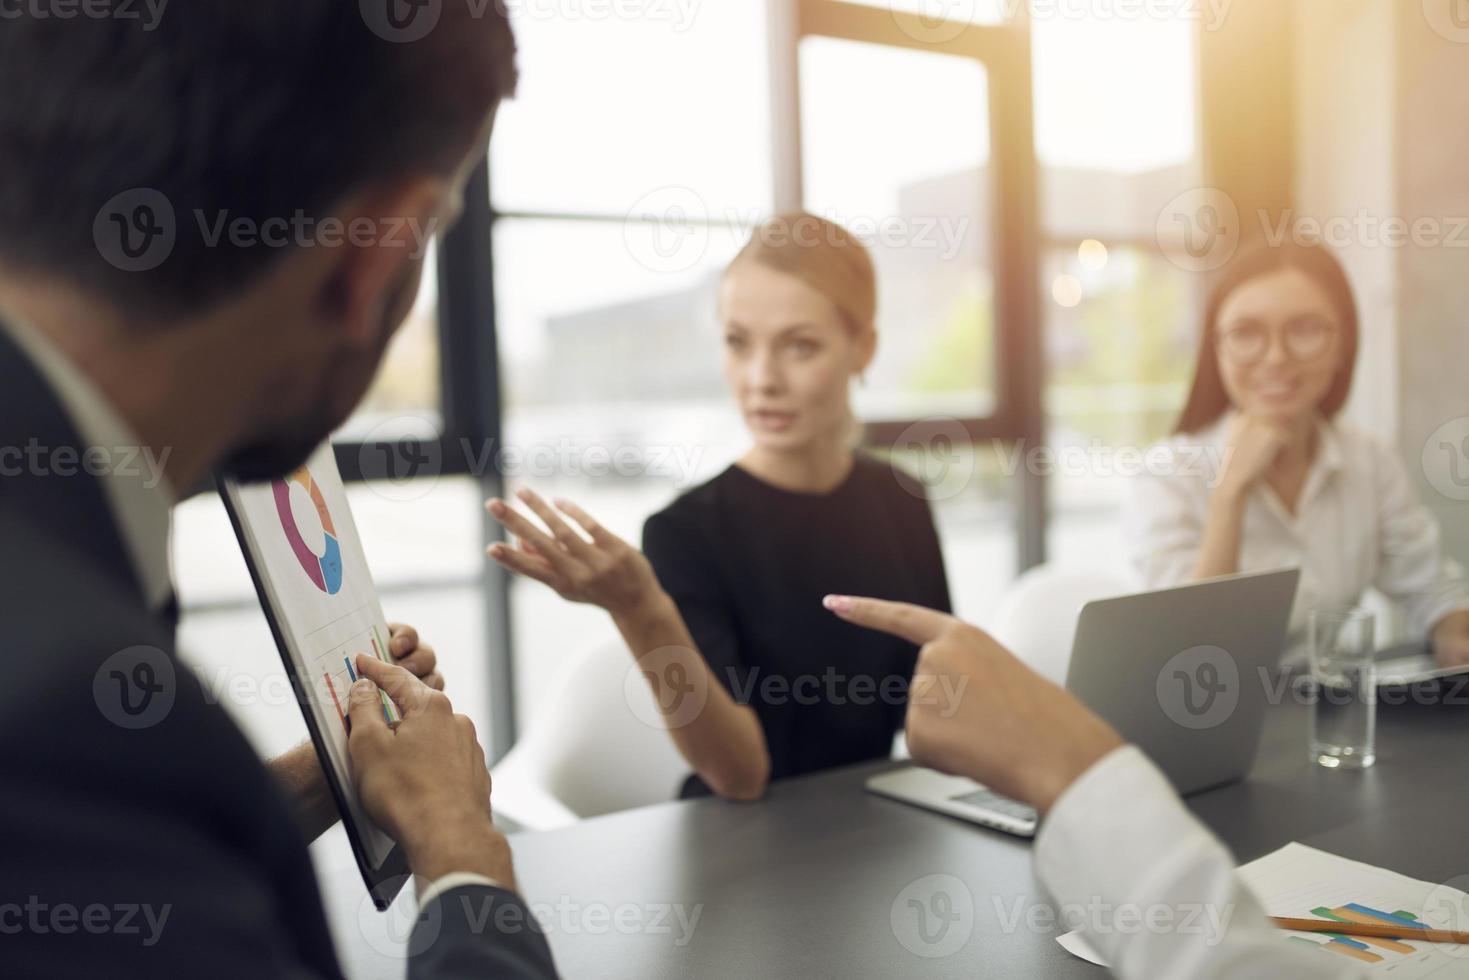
x: 931, y: 554
x: 923, y: 536
x: 683, y: 559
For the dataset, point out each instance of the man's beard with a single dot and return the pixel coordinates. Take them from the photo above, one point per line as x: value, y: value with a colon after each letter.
x: 281, y: 450
x: 276, y: 456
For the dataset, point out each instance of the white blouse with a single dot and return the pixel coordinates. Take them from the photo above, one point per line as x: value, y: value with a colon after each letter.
x: 1359, y: 523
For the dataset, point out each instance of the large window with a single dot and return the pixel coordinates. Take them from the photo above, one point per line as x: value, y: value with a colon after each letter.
x: 917, y: 124
x: 624, y: 176
x: 1116, y: 137
x: 1007, y: 170
x: 920, y: 198
x: 406, y: 397
x: 924, y: 192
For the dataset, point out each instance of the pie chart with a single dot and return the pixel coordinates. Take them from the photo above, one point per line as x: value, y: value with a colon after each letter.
x: 324, y: 569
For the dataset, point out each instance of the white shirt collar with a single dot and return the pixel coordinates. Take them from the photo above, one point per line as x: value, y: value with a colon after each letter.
x: 136, y: 488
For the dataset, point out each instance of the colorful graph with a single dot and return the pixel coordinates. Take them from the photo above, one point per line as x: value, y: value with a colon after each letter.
x: 324, y: 570
x: 1364, y: 948
x: 332, y: 690
x: 338, y: 672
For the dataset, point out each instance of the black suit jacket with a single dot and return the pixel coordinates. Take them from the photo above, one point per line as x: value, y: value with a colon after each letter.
x: 140, y: 835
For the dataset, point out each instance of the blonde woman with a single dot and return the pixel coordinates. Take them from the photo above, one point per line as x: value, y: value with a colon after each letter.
x: 724, y: 602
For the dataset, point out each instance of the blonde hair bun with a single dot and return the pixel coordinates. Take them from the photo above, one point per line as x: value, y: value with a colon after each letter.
x: 823, y: 255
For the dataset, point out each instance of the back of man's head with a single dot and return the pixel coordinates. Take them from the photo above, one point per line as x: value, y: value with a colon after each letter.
x: 133, y: 142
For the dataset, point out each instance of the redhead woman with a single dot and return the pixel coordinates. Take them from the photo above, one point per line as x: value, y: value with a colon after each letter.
x: 723, y: 606
x: 1265, y: 474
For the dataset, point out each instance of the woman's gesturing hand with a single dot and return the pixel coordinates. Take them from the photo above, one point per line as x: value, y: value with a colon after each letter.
x: 596, y: 567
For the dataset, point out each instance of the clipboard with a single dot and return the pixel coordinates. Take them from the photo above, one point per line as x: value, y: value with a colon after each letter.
x: 307, y: 564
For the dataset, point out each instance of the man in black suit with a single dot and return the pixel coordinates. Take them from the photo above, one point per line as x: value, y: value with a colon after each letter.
x: 210, y: 226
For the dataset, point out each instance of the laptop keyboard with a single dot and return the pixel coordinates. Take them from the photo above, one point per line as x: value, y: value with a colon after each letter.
x: 989, y: 800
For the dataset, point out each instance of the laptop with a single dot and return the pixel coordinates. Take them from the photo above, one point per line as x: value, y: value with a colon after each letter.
x: 1181, y: 673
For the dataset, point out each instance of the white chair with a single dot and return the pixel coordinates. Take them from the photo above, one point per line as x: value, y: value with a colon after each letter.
x: 1038, y: 615
x: 589, y: 752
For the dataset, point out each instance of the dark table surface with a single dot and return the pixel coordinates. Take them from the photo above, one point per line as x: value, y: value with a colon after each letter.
x: 815, y: 880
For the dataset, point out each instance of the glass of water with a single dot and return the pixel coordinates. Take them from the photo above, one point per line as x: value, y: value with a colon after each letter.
x: 1344, y: 682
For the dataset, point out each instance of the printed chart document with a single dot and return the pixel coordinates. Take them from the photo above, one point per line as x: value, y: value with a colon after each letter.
x: 311, y: 574
x: 1301, y: 882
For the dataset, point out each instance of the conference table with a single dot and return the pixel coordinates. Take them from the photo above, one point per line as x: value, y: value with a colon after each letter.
x: 822, y: 879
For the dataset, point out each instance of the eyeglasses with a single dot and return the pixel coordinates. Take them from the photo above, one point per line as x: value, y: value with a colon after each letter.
x: 1306, y: 338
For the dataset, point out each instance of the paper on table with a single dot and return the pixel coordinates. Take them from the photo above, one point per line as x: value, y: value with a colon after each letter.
x: 1074, y: 944
x: 1296, y: 880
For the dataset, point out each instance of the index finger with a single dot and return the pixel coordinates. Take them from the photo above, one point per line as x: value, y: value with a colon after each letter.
x: 364, y: 711
x: 903, y: 619
x: 398, y: 683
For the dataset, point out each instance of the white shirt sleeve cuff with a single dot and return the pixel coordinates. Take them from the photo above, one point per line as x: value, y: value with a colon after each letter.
x: 1118, y: 831
x: 454, y: 879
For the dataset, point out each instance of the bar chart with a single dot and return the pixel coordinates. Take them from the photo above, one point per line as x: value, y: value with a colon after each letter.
x: 1364, y: 948
x: 1301, y: 882
x: 335, y: 666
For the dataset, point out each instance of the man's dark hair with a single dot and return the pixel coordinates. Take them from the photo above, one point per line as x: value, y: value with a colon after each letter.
x: 250, y: 109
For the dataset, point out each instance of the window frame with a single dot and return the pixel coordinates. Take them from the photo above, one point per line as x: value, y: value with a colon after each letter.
x: 1004, y: 52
